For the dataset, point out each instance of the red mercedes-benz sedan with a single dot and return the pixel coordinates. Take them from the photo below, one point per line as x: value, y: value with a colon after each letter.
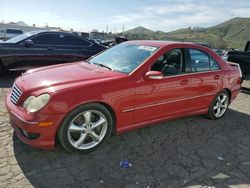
x: 126, y: 87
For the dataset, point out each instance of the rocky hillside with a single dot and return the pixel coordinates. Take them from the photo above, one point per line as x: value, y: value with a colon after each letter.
x: 231, y: 34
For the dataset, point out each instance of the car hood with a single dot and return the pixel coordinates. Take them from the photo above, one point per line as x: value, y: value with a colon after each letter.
x: 65, y: 74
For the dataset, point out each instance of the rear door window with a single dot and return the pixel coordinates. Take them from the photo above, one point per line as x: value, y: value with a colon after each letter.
x: 68, y: 40
x: 201, y: 61
x: 214, y: 65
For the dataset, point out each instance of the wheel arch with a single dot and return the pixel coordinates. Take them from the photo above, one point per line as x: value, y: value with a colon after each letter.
x: 107, y: 106
x: 229, y: 93
x: 113, y: 114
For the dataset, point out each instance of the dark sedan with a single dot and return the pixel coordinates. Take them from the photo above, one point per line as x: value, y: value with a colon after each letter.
x: 41, y: 48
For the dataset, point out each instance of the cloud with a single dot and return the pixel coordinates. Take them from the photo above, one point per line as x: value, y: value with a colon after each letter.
x: 47, y: 16
x: 55, y: 20
x: 171, y: 15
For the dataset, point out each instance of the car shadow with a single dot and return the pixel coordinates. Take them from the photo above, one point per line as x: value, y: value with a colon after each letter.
x: 247, y: 77
x: 178, y: 153
x: 245, y: 85
x: 245, y: 90
x: 7, y: 78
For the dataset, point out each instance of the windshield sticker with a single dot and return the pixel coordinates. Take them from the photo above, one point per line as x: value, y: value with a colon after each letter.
x: 148, y: 48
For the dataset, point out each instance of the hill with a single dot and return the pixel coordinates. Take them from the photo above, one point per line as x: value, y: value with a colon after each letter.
x: 231, y: 34
x: 140, y: 30
x: 234, y: 32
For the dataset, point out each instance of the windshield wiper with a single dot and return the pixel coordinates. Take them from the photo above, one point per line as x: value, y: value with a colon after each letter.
x: 102, y: 65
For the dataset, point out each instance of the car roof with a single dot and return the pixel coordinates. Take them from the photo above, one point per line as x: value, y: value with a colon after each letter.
x: 158, y: 43
x: 35, y: 32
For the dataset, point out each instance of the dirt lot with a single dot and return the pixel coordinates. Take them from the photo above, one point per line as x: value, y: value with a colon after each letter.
x: 189, y: 152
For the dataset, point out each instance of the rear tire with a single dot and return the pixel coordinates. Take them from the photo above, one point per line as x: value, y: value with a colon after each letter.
x: 85, y: 128
x: 219, y: 105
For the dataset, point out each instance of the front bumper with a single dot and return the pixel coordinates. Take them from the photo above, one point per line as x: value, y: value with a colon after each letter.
x: 27, y: 126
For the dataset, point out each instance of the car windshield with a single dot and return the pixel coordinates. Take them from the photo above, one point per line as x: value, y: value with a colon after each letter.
x: 21, y: 37
x: 124, y: 57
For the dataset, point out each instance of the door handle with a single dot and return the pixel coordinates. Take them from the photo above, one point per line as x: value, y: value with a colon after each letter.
x: 216, y: 77
x: 184, y: 82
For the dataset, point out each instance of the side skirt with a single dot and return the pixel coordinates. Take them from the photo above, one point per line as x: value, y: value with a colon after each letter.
x: 148, y: 123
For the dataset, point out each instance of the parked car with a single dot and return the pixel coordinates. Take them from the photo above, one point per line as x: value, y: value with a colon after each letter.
x: 126, y: 87
x: 118, y: 40
x: 216, y: 50
x: 6, y: 34
x: 224, y: 55
x: 40, y: 48
x: 241, y: 57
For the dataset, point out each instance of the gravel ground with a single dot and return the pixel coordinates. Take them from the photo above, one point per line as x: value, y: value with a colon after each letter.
x: 188, y: 152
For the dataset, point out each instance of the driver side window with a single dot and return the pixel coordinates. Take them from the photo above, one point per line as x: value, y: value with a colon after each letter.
x: 170, y: 63
x: 45, y: 39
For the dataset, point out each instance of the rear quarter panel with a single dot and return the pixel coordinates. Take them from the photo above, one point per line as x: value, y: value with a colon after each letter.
x: 233, y: 81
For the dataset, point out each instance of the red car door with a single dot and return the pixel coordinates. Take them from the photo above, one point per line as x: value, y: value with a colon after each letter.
x: 158, y: 99
x: 206, y: 79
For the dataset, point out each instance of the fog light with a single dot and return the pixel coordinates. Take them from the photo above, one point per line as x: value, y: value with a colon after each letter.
x: 31, y: 136
x: 25, y: 133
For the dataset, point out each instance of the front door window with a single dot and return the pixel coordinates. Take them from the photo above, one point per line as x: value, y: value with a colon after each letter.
x: 170, y: 63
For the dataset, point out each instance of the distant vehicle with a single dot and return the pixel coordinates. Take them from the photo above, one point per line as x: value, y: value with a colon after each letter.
x: 6, y: 34
x: 218, y: 51
x: 241, y: 57
x: 118, y: 40
x: 40, y: 48
x: 98, y: 41
x: 107, y: 42
x: 128, y: 86
x: 205, y: 44
x: 224, y: 55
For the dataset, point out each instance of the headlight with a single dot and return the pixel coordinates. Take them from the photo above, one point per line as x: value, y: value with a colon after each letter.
x: 33, y: 104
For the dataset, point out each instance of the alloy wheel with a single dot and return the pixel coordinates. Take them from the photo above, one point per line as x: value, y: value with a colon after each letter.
x: 220, y: 105
x: 87, y: 129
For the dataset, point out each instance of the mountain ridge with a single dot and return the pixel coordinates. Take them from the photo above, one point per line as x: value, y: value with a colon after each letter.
x: 233, y: 33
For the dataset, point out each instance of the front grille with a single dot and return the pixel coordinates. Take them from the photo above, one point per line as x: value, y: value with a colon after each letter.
x: 16, y: 93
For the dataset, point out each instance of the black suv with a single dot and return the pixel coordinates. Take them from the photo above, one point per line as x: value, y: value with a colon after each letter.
x: 40, y: 48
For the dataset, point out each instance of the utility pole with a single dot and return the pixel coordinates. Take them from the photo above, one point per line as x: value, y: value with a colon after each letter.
x: 107, y: 29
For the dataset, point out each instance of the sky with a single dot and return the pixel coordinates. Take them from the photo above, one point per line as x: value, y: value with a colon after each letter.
x: 114, y: 15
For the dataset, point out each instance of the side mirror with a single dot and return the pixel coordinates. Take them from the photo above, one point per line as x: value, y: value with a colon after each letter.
x: 28, y: 43
x: 153, y: 75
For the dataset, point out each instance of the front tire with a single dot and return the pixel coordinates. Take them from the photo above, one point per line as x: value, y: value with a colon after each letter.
x: 85, y: 128
x: 219, y: 105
